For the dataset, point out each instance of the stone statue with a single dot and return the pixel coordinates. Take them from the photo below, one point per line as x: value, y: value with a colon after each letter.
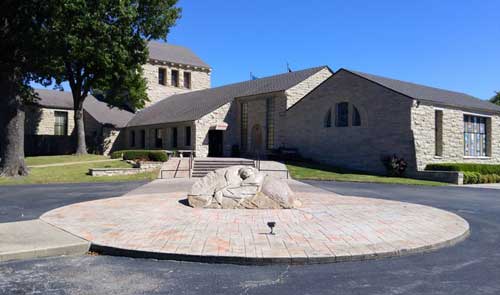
x: 241, y: 187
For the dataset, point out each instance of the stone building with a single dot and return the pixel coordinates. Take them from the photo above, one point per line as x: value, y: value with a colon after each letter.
x: 170, y: 70
x: 50, y: 124
x: 239, y: 119
x: 173, y: 69
x: 347, y: 119
x: 353, y: 119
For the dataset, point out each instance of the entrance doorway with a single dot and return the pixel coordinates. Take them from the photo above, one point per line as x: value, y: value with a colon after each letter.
x: 256, y: 139
x: 215, y: 143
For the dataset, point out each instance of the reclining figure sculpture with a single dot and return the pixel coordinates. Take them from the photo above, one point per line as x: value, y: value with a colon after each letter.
x: 241, y: 187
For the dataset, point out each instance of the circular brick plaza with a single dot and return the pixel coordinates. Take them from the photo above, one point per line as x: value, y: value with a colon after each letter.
x: 327, y: 228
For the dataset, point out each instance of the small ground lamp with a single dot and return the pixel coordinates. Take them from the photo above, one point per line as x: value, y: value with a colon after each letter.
x: 271, y: 225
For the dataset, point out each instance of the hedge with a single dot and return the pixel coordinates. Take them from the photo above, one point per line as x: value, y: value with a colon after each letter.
x: 483, y: 169
x: 146, y: 155
x: 475, y: 177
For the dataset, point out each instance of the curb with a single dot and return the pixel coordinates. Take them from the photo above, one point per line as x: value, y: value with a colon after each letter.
x: 113, y: 251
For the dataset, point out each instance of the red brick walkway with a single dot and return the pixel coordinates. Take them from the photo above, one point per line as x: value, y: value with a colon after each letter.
x: 328, y: 228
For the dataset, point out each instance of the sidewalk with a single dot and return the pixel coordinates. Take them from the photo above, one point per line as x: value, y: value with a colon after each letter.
x: 36, y: 239
x: 72, y: 163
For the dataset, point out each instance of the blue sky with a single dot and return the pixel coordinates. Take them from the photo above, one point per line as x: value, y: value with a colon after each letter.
x: 448, y: 44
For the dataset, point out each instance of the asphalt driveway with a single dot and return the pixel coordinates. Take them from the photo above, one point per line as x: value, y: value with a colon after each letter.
x: 471, y: 267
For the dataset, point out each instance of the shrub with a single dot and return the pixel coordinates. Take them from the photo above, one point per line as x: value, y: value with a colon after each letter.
x: 143, y: 155
x: 394, y: 165
x: 465, y: 167
x: 471, y: 177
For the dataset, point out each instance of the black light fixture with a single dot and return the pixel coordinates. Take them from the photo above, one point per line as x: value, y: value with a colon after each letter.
x: 271, y: 225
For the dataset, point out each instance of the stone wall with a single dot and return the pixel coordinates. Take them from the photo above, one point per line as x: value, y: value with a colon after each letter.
x: 423, y: 124
x: 226, y: 113
x: 200, y: 79
x: 295, y: 93
x: 40, y: 121
x: 166, y: 133
x: 385, y: 125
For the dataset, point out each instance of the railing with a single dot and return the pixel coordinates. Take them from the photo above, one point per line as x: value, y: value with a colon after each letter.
x: 190, y: 169
x: 257, y: 163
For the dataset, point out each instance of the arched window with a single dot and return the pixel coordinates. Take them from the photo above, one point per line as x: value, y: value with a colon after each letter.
x: 356, y: 118
x: 342, y: 114
x: 328, y: 118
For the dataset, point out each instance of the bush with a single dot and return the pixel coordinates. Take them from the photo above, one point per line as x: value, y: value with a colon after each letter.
x: 471, y: 177
x: 142, y: 155
x: 395, y: 166
x: 465, y: 167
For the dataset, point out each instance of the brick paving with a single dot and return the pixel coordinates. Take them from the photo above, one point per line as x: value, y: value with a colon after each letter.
x: 154, y: 222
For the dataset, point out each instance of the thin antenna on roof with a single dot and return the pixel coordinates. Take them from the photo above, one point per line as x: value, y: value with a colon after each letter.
x: 288, y: 67
x: 252, y: 77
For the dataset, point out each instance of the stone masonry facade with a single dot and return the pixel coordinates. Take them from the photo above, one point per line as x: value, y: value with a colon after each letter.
x: 41, y: 121
x: 294, y: 94
x: 423, y: 126
x: 385, y: 125
x: 200, y: 79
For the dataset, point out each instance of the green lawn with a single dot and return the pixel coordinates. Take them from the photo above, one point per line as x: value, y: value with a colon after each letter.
x: 313, y: 171
x: 76, y: 173
x: 44, y: 160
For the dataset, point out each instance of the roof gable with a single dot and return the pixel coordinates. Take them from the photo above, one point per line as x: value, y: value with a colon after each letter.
x: 99, y: 110
x: 193, y: 105
x: 174, y: 53
x: 429, y: 94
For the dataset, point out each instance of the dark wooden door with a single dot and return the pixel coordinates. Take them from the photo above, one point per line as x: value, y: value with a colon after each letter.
x: 215, y: 143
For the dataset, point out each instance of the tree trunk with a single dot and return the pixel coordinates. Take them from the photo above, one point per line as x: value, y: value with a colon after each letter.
x: 11, y: 131
x: 81, y: 145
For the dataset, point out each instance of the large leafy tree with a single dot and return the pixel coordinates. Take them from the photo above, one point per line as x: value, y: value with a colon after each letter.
x: 496, y: 99
x: 101, y: 46
x: 24, y: 57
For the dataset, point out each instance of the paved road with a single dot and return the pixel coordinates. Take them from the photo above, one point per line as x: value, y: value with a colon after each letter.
x: 472, y: 267
x: 26, y: 202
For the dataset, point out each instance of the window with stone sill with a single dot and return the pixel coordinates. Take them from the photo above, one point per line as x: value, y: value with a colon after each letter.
x: 162, y: 75
x: 476, y: 136
x: 175, y: 78
x: 61, y: 123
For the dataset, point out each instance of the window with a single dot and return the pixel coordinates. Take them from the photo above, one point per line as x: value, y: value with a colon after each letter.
x: 158, y: 138
x: 143, y: 139
x: 162, y: 75
x: 175, y: 78
x: 328, y: 118
x: 174, y: 137
x: 475, y: 137
x: 187, y: 138
x: 132, y: 138
x: 270, y: 122
x: 342, y: 114
x: 438, y: 133
x: 356, y: 118
x: 61, y: 123
x: 187, y: 80
x: 244, y: 126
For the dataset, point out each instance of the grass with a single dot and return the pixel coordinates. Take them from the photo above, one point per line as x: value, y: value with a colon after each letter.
x: 76, y: 173
x: 313, y: 171
x: 45, y: 160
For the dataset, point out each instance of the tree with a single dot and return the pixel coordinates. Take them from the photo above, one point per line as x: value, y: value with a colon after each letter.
x: 496, y: 99
x: 23, y: 58
x: 101, y: 46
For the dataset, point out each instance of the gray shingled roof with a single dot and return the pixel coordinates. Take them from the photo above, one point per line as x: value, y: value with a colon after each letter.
x: 193, y: 105
x: 101, y: 111
x: 176, y: 54
x: 431, y: 94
